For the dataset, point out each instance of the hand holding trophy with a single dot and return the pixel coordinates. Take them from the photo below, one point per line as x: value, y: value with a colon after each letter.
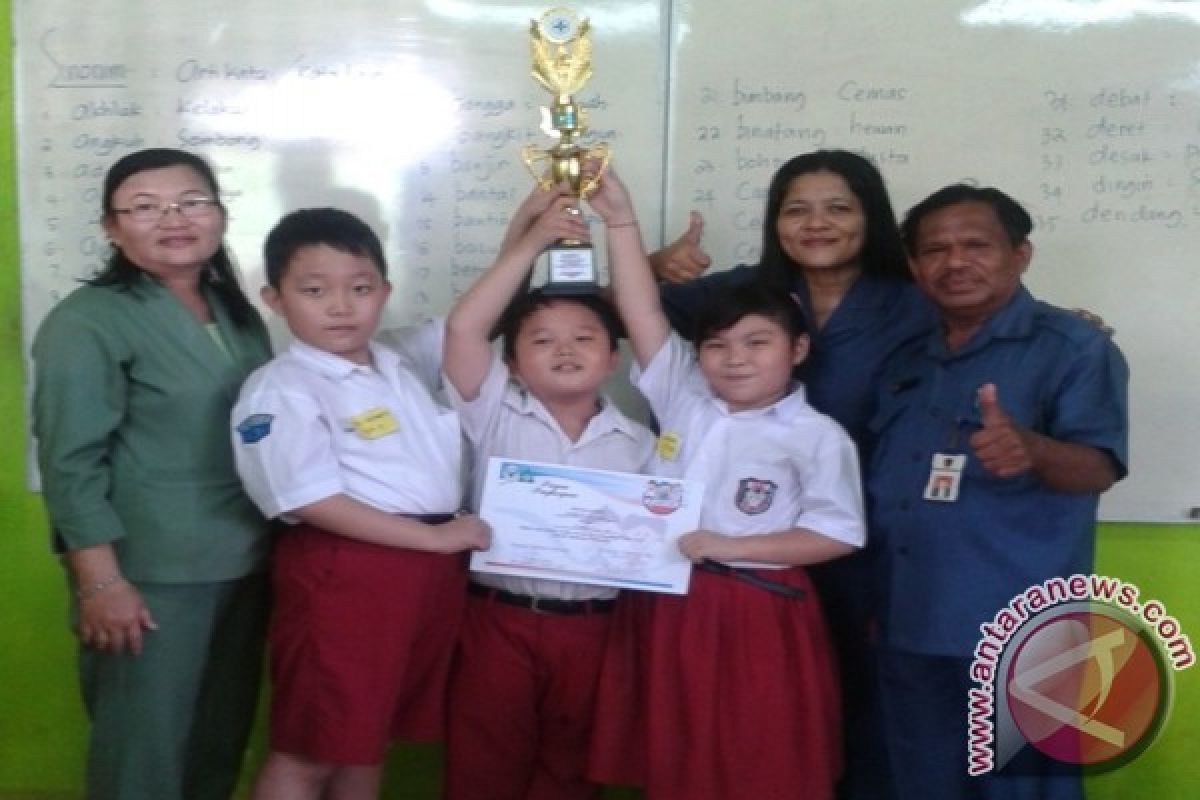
x: 561, y: 47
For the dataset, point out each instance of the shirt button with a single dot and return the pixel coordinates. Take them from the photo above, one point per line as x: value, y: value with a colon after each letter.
x: 902, y: 550
x: 916, y: 458
x: 905, y: 505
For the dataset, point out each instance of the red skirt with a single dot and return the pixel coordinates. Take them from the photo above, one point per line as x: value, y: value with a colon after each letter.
x: 727, y: 692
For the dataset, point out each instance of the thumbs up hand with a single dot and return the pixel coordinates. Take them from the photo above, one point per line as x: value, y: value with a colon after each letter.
x: 683, y: 259
x: 1003, y: 448
x: 695, y: 228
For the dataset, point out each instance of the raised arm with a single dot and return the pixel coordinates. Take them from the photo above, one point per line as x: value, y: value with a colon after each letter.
x: 544, y: 217
x: 634, y: 288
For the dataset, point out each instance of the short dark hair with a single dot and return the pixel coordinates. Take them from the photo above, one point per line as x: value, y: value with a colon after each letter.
x: 526, y: 305
x: 1012, y: 216
x: 220, y: 277
x: 882, y: 251
x: 727, y: 309
x: 308, y: 227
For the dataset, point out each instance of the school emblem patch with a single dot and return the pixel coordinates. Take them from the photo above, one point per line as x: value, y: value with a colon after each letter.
x: 754, y: 495
x: 662, y: 497
x: 255, y: 428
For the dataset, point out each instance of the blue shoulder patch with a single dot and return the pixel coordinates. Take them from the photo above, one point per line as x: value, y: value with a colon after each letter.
x: 255, y: 428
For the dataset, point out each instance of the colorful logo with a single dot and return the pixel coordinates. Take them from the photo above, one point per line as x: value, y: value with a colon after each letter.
x: 1080, y: 668
x: 1087, y: 686
x: 754, y: 495
x: 662, y: 497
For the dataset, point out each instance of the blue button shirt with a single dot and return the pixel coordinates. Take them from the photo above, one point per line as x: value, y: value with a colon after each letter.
x: 952, y: 566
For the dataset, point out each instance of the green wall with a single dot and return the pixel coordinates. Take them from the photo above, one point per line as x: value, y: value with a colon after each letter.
x: 42, y: 728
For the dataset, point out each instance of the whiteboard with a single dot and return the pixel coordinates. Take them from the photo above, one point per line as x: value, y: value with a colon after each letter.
x: 1086, y: 112
x: 410, y: 114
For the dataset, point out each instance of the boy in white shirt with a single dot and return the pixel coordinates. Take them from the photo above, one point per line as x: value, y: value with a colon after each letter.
x: 523, y: 684
x: 336, y: 437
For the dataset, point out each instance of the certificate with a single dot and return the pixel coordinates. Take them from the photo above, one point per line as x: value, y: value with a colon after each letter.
x: 587, y: 525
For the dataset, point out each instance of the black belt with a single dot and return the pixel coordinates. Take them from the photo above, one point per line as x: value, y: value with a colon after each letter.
x: 544, y: 605
x: 752, y: 578
x: 430, y: 519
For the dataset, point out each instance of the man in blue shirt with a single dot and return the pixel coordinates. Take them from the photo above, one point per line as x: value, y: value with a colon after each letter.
x: 994, y: 437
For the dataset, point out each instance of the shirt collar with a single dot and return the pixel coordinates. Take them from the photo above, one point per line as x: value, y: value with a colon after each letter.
x: 868, y: 292
x: 1015, y: 320
x: 611, y: 418
x: 607, y: 417
x: 788, y: 407
x: 338, y: 368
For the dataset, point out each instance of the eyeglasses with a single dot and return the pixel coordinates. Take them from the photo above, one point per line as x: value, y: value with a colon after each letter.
x: 150, y: 211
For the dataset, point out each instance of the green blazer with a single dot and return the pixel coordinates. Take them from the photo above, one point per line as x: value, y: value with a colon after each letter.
x: 131, y: 412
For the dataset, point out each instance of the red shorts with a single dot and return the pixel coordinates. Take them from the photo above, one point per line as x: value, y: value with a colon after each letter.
x: 360, y: 641
x: 522, y: 694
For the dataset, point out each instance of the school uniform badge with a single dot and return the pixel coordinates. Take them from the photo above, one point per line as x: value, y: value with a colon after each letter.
x: 255, y: 428
x: 667, y: 445
x: 662, y: 497
x: 754, y: 495
x: 374, y: 423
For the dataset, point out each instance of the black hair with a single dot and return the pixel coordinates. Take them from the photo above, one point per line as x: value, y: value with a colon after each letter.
x: 882, y: 251
x: 220, y: 276
x: 1012, y: 216
x: 307, y: 227
x: 526, y: 305
x: 724, y: 311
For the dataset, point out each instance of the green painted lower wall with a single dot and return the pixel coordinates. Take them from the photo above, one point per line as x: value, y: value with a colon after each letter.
x: 42, y: 727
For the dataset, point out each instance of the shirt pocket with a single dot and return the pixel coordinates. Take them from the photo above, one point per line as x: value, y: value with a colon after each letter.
x: 892, y: 405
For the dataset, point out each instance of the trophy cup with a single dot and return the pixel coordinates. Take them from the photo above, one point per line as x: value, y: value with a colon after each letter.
x: 561, y: 48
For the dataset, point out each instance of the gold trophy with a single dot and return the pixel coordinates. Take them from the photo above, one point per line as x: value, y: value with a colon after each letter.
x: 561, y: 48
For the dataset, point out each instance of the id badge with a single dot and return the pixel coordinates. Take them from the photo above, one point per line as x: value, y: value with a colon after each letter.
x: 374, y: 423
x: 667, y: 446
x: 945, y: 477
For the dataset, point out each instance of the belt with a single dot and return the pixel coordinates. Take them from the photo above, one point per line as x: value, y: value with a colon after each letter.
x: 429, y: 519
x: 752, y: 578
x: 542, y: 605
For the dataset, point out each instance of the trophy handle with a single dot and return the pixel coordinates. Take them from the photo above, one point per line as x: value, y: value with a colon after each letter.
x: 598, y: 151
x: 535, y: 159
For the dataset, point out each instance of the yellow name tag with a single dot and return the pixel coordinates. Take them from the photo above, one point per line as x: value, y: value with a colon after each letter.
x: 667, y: 447
x: 374, y: 423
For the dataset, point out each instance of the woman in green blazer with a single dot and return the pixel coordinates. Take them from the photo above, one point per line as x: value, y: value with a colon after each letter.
x: 136, y: 373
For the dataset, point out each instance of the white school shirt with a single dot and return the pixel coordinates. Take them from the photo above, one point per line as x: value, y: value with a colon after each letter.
x: 311, y: 424
x: 420, y: 349
x: 764, y: 470
x: 505, y: 420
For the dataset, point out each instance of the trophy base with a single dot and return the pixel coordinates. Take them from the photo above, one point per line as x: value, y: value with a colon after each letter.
x: 570, y: 270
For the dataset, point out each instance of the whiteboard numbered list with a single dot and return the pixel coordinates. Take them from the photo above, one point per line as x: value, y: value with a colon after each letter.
x: 410, y: 114
x: 1087, y: 114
